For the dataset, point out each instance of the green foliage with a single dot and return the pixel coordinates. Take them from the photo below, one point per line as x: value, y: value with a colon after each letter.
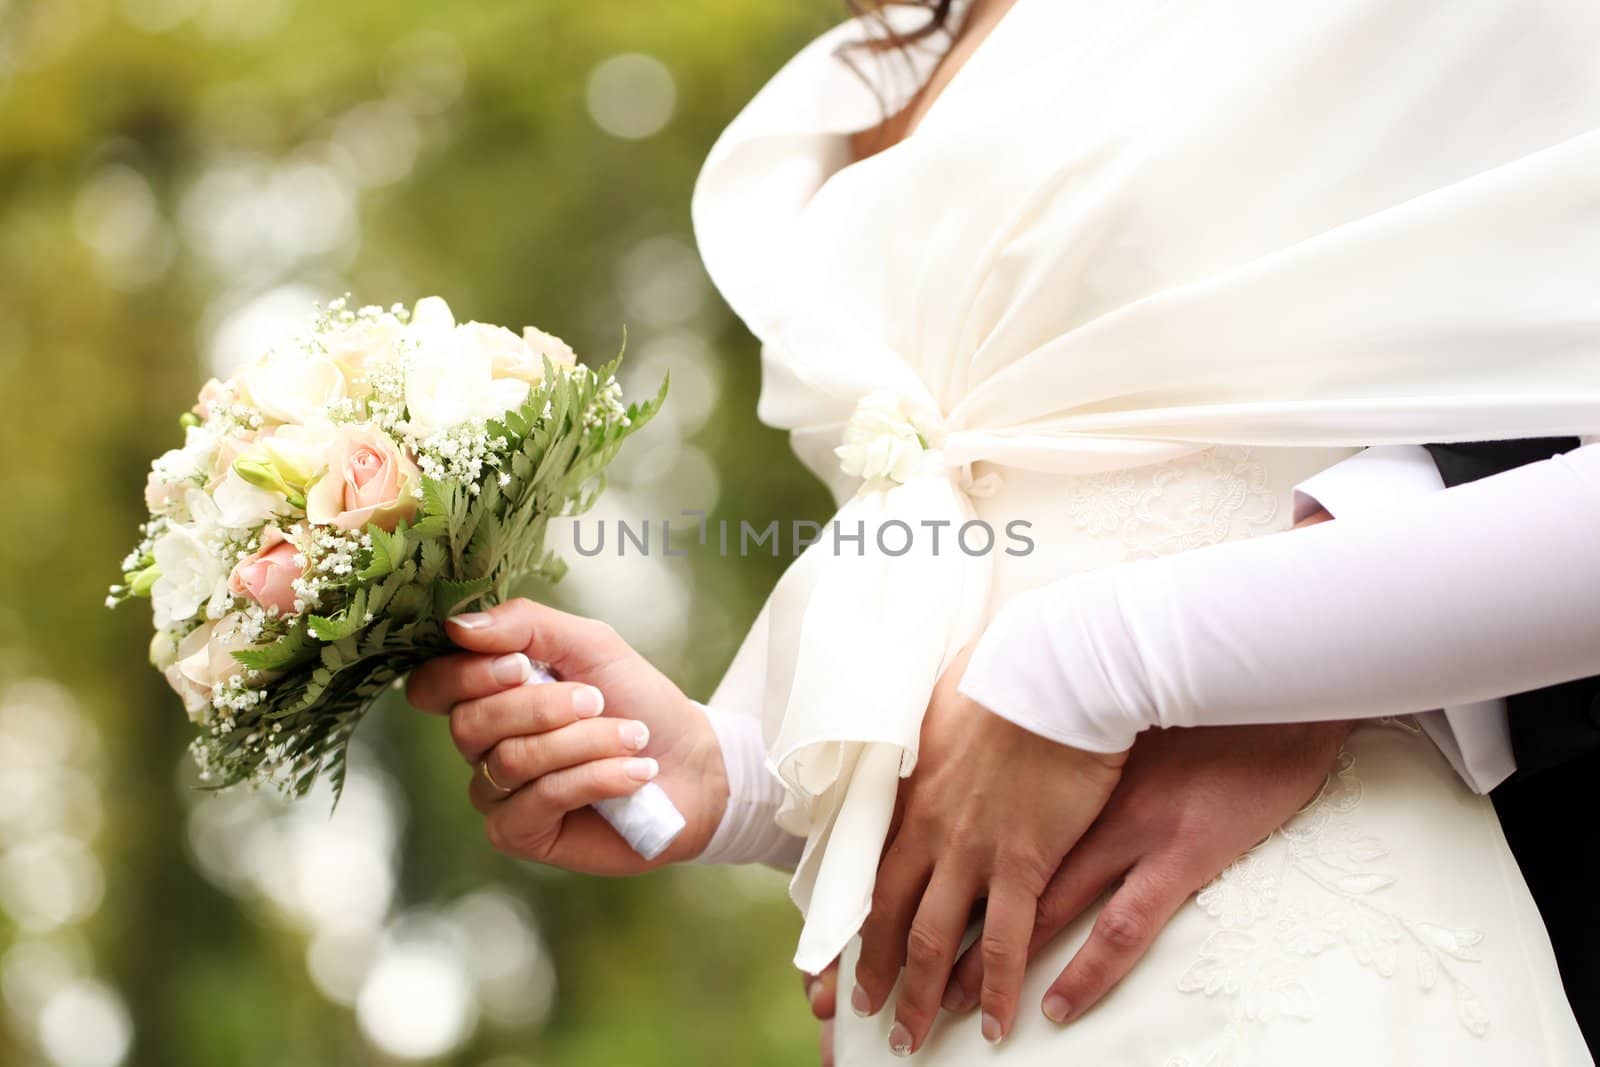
x: 290, y: 651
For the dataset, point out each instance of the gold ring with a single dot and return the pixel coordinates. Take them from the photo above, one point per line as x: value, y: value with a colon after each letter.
x: 483, y: 766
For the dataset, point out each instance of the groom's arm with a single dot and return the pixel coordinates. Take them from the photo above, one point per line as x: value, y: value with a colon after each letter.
x: 1542, y: 728
x: 1560, y: 723
x: 1455, y: 598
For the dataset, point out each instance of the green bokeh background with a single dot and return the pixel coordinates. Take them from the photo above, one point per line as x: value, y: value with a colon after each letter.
x: 125, y: 127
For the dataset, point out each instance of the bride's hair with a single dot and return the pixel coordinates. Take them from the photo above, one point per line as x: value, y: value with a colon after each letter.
x: 938, y: 21
x: 938, y: 18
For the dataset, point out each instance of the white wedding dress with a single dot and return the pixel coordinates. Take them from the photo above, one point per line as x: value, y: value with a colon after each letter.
x: 1143, y: 268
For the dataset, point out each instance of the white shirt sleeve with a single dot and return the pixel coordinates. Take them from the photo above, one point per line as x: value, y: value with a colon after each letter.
x: 748, y: 832
x: 1451, y: 599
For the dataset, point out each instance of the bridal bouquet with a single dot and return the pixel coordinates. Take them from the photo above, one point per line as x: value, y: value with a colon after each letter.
x: 340, y: 497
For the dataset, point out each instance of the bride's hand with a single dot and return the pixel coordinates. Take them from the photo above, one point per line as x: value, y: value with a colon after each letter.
x: 550, y: 751
x: 990, y: 812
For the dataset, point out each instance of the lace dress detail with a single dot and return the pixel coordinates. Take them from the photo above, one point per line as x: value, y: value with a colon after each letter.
x: 1316, y: 886
x: 1205, y: 499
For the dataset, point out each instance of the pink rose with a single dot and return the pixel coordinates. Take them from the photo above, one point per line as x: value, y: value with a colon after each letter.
x: 205, y: 659
x: 268, y: 574
x: 368, y: 480
x: 545, y: 344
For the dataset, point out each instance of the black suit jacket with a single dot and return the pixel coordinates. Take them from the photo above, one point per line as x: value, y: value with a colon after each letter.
x: 1546, y: 806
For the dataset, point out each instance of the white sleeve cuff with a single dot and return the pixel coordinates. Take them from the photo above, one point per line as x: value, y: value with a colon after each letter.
x: 1072, y: 676
x: 748, y: 832
x: 1369, y: 482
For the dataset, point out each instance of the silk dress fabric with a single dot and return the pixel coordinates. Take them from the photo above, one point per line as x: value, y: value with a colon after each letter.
x: 1142, y: 268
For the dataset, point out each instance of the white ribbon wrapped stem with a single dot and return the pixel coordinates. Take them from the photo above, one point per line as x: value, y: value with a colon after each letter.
x: 647, y: 820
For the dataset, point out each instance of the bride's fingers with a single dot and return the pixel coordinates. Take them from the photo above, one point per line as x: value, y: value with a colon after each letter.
x: 516, y: 761
x: 571, y: 644
x: 1007, y: 929
x: 478, y: 725
x: 931, y: 945
x: 528, y: 822
x: 902, y: 877
x: 822, y: 991
x: 1123, y: 931
x: 1089, y: 869
x: 445, y: 681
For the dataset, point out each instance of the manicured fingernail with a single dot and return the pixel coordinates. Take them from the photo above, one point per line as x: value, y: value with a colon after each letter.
x: 900, y: 1040
x: 991, y: 1029
x: 860, y: 1003
x: 472, y: 620
x: 955, y: 999
x: 1056, y: 1008
x: 513, y: 669
x: 641, y: 770
x: 635, y: 735
x: 588, y: 702
x: 814, y: 996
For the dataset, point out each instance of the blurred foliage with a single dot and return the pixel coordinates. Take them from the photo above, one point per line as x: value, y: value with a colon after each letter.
x: 464, y: 160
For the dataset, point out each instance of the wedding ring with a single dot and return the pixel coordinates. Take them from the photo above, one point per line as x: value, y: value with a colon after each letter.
x: 483, y: 767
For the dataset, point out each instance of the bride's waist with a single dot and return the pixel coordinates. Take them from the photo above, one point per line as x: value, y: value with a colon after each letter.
x: 1050, y: 526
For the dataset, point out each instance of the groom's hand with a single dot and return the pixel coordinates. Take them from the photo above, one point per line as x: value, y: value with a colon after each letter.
x: 1190, y: 802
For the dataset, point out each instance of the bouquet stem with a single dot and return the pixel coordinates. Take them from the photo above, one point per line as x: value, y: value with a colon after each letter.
x: 647, y: 820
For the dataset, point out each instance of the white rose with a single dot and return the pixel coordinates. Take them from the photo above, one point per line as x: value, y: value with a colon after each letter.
x: 205, y: 520
x: 294, y: 386
x: 355, y: 349
x: 431, y: 319
x: 177, y: 470
x: 881, y: 441
x: 242, y: 506
x: 205, y: 659
x: 189, y: 463
x: 450, y: 382
x: 194, y: 458
x: 516, y: 357
x: 190, y: 575
x: 509, y: 356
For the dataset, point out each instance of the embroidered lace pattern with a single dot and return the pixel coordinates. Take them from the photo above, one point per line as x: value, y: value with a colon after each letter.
x: 1213, y: 496
x: 1268, y: 932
